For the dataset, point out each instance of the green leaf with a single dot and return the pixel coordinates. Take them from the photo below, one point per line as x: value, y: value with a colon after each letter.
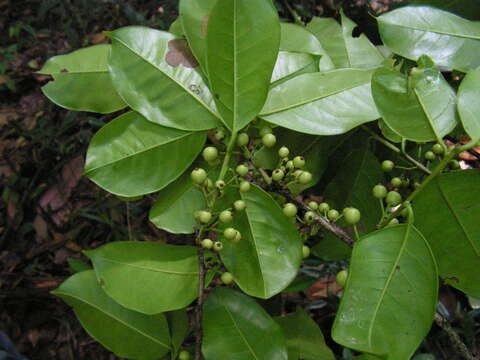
x: 466, y: 8
x: 322, y: 103
x: 391, y: 294
x: 173, y: 210
x: 77, y: 266
x: 345, y: 50
x: 296, y: 38
x: 352, y: 186
x: 290, y: 64
x: 449, y: 40
x: 446, y: 212
x: 179, y: 326
x: 148, y: 277
x: 155, y: 73
x: 81, y: 81
x: 420, y: 107
x: 268, y: 256
x: 388, y: 133
x: 469, y: 104
x: 305, y: 340
x: 194, y: 15
x: 125, y: 332
x: 236, y: 327
x: 131, y: 156
x: 331, y: 248
x: 242, y: 45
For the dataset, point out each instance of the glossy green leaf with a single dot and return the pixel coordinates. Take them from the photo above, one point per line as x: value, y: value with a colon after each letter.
x: 388, y: 132
x: 176, y: 28
x: 173, y: 210
x: 469, y: 104
x: 304, y: 338
x: 290, y: 64
x: 235, y: 327
x: 296, y: 38
x: 127, y: 333
x: 466, y: 8
x: 450, y: 40
x: 345, y: 50
x: 157, y: 75
x: 447, y: 213
x: 352, y: 186
x: 149, y: 277
x: 322, y: 103
x: 268, y: 257
x: 331, y: 248
x: 421, y: 107
x: 179, y: 326
x: 242, y: 47
x: 391, y: 294
x: 194, y: 15
x: 131, y: 156
x: 81, y: 81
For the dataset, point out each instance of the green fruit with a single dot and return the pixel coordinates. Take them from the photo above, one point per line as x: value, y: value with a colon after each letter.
x: 230, y: 233
x: 379, y: 191
x: 454, y: 164
x: 277, y: 175
x: 305, y: 251
x: 341, y: 278
x: 265, y: 130
x: 269, y: 140
x: 351, y: 215
x: 289, y: 165
x: 226, y: 216
x: 283, y: 152
x: 393, y: 222
x: 226, y: 278
x: 242, y: 170
x: 204, y: 216
x: 313, y: 205
x: 393, y: 198
x: 220, y: 184
x: 198, y: 176
x: 309, y: 217
x: 290, y: 210
x: 298, y: 162
x: 333, y: 214
x: 323, y: 207
x: 207, y: 243
x: 388, y: 165
x: 438, y: 149
x: 305, y: 177
x: 244, y: 186
x: 242, y: 139
x: 404, y: 212
x: 430, y: 155
x: 208, y: 183
x: 184, y: 355
x: 297, y: 173
x: 239, y: 205
x: 396, y: 182
x: 237, y: 237
x: 217, y: 246
x: 210, y: 153
x: 219, y: 135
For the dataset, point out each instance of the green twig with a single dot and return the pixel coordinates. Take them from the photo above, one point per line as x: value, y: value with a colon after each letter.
x: 228, y: 154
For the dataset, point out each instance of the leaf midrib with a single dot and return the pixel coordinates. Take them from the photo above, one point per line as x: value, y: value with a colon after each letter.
x: 472, y: 37
x: 148, y: 268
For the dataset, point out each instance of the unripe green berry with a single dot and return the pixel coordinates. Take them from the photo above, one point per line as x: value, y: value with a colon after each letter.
x: 205, y: 216
x: 184, y: 355
x: 313, y: 205
x: 239, y: 205
x: 237, y: 238
x: 341, y: 278
x: 269, y: 140
x: 244, y: 186
x: 289, y: 165
x: 217, y: 246
x: 309, y: 217
x: 229, y: 233
x: 323, y: 207
x: 210, y: 153
x: 393, y: 198
x: 208, y: 184
x: 298, y: 162
x: 290, y: 210
x: 297, y: 173
x: 454, y: 164
x: 242, y: 139
x: 207, y: 243
x: 242, y: 170
x: 388, y: 165
x: 394, y: 221
x: 438, y: 149
x: 198, y: 176
x: 305, y: 177
x: 333, y: 214
x: 396, y: 182
x: 226, y: 216
x: 265, y: 130
x: 404, y: 213
x: 351, y: 215
x: 219, y: 135
x: 277, y: 175
x: 379, y: 191
x: 430, y: 155
x: 226, y: 278
x: 220, y: 184
x: 305, y: 251
x: 283, y: 152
